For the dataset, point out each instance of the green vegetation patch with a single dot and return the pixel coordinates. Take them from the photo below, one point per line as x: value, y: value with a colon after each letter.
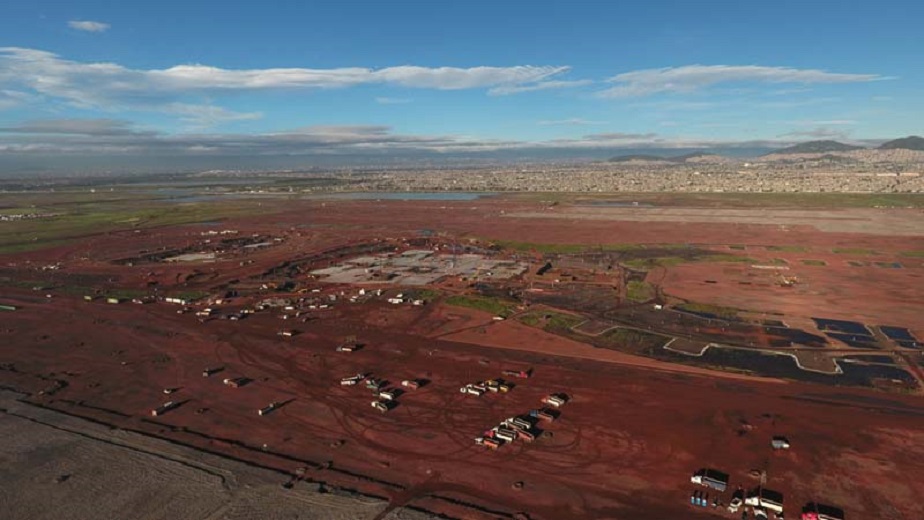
x: 629, y: 339
x: 670, y: 261
x: 80, y: 216
x: 425, y: 294
x: 718, y: 311
x: 719, y: 257
x: 737, y: 247
x: 640, y: 291
x: 551, y: 321
x: 913, y: 254
x: 788, y: 249
x: 854, y: 251
x: 567, y: 248
x: 188, y: 295
x: 650, y: 263
x: 814, y: 262
x: 494, y: 306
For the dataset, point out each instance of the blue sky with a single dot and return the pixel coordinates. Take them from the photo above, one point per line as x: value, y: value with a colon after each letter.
x: 360, y: 77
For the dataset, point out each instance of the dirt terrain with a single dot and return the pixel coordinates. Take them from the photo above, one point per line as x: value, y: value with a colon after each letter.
x: 624, y: 445
x: 53, y: 459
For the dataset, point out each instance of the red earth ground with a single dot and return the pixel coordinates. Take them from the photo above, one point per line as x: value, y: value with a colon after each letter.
x: 624, y: 447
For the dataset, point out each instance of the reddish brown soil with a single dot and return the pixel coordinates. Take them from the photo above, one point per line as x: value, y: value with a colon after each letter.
x: 623, y: 448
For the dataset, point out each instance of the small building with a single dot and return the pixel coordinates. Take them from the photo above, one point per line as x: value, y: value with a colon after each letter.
x: 8, y: 308
x: 267, y: 409
x: 114, y: 301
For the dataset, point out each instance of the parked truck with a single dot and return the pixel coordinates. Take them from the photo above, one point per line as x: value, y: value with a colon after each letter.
x: 710, y: 478
x: 556, y: 400
x: 267, y: 409
x: 766, y: 499
x: 164, y: 408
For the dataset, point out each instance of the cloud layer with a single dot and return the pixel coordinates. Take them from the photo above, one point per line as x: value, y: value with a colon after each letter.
x: 105, y: 84
x: 88, y: 26
x: 117, y: 137
x: 695, y: 77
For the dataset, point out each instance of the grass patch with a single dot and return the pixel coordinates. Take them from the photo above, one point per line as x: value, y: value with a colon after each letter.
x: 25, y: 247
x: 629, y: 339
x: 188, y: 295
x: 913, y: 254
x: 718, y: 311
x: 853, y: 251
x: 737, y: 247
x: 639, y: 291
x: 645, y: 264
x: 788, y: 249
x: 425, y: 294
x: 778, y: 261
x: 551, y: 321
x: 87, y: 215
x: 719, y: 257
x: 541, y: 248
x: 567, y: 248
x: 889, y: 265
x: 814, y: 262
x: 495, y: 306
x: 128, y: 294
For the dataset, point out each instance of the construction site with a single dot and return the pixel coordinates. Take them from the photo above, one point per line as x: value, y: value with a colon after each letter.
x: 492, y: 358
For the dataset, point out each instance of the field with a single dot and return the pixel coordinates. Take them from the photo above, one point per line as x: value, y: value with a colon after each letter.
x: 619, y: 322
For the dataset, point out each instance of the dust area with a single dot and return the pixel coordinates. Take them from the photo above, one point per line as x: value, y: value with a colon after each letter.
x: 867, y: 221
x: 58, y: 467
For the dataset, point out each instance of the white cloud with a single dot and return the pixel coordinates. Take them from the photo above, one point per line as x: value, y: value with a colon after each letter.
x: 830, y: 122
x: 95, y: 84
x: 818, y: 133
x: 203, y: 116
x: 690, y: 78
x: 88, y: 127
x: 88, y: 26
x: 113, y: 87
x: 542, y: 85
x: 574, y: 121
x: 392, y: 101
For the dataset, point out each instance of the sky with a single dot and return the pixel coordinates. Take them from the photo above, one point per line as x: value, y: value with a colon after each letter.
x: 113, y: 80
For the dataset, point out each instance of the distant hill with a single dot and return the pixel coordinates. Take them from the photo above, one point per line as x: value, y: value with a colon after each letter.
x: 694, y: 155
x: 912, y: 142
x: 637, y: 157
x: 817, y: 147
